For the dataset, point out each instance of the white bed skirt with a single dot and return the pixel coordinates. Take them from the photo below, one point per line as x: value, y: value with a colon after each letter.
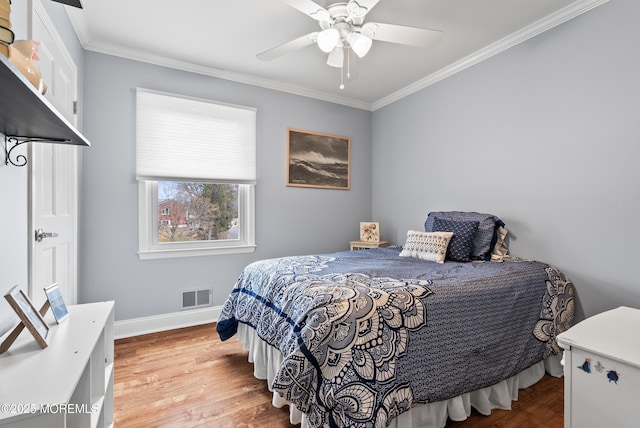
x: 266, y: 360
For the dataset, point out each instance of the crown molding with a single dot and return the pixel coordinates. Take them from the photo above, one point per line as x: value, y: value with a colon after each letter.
x: 226, y: 75
x: 84, y: 35
x: 569, y: 12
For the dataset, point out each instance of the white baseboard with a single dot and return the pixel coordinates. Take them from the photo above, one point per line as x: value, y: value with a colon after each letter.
x: 156, y: 323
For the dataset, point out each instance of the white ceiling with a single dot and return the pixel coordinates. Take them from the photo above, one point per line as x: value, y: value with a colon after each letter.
x: 222, y: 38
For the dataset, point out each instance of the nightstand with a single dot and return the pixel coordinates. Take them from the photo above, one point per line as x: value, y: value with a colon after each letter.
x: 602, y: 370
x: 363, y: 245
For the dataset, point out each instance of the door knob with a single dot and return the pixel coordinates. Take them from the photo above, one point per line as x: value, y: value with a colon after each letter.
x: 41, y: 234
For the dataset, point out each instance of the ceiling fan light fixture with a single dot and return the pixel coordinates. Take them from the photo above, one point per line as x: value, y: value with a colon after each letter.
x: 336, y: 57
x: 328, y: 39
x: 359, y: 43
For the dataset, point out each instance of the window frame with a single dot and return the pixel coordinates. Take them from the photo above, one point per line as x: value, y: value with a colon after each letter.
x: 149, y: 248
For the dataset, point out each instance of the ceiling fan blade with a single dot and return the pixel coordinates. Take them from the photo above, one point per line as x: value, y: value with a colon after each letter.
x: 413, y: 36
x: 287, y: 47
x: 310, y: 8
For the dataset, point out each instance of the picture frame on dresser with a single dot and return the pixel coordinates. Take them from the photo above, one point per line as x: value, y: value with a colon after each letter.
x: 56, y: 301
x: 29, y: 316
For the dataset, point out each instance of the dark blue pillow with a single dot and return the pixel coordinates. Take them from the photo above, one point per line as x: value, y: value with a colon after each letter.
x: 461, y: 243
x: 486, y: 236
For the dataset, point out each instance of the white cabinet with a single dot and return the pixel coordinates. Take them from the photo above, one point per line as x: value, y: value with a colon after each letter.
x: 602, y: 370
x: 67, y: 384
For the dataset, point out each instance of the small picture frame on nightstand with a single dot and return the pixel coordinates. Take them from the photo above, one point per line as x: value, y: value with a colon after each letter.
x: 369, y: 231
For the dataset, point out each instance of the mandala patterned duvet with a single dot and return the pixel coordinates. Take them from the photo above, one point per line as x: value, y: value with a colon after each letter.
x: 366, y: 335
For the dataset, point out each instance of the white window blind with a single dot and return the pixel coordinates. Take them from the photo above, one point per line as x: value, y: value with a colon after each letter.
x: 183, y: 138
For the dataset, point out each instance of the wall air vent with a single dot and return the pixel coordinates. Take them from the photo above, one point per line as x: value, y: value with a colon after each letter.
x: 195, y: 298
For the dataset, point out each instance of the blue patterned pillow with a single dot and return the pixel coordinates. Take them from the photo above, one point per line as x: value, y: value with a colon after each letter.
x: 461, y: 243
x: 486, y: 235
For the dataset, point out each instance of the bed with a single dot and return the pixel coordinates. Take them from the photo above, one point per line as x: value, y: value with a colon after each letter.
x: 401, y: 336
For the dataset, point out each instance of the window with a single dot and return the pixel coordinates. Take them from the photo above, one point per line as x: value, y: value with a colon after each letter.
x: 195, y: 165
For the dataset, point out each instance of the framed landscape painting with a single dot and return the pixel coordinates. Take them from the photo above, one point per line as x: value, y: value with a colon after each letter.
x: 318, y: 160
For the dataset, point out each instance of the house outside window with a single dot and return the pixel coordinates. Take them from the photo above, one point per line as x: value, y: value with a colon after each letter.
x: 195, y: 165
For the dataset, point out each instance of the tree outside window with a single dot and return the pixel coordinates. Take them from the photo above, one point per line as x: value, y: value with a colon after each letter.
x: 192, y: 211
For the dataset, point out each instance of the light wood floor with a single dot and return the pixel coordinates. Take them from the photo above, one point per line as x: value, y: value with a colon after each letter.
x: 188, y: 378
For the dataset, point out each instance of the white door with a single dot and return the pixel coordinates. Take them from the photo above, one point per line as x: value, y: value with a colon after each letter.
x: 53, y: 172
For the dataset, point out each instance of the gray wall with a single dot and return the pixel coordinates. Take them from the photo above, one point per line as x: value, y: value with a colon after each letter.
x: 544, y: 135
x: 288, y: 220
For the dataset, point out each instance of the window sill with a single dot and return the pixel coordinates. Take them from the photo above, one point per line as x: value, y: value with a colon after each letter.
x: 193, y: 252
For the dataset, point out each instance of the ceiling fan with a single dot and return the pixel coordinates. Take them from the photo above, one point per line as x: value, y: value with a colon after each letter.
x: 343, y: 33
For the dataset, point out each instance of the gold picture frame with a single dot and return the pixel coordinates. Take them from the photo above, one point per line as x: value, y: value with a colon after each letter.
x: 318, y: 160
x: 29, y: 316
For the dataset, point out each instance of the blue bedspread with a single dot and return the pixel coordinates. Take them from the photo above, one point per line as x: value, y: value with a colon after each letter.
x: 366, y: 335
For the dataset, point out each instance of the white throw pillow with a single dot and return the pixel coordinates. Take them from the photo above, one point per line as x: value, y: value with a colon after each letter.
x: 431, y: 246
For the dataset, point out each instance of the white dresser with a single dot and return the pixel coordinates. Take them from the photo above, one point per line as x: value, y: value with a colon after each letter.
x: 602, y: 371
x: 68, y: 384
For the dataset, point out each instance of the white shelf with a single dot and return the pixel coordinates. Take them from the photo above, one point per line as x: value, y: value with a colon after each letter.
x: 76, y: 369
x: 24, y: 112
